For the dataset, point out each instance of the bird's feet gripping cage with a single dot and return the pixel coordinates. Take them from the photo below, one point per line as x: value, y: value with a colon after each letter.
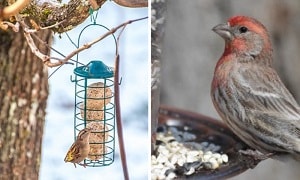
x: 95, y: 109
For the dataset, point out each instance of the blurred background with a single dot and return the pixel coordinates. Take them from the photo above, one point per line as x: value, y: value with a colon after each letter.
x: 191, y: 50
x: 58, y: 136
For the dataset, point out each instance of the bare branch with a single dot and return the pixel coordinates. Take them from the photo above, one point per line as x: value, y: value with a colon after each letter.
x: 47, y: 59
x: 15, y: 27
x: 47, y: 13
x: 132, y: 3
x: 74, y: 12
x: 88, y: 45
x: 34, y: 49
x: 15, y: 8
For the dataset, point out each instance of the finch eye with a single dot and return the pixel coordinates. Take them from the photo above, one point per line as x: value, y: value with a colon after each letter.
x: 243, y: 29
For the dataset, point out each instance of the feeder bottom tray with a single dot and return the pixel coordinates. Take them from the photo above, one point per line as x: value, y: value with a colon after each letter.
x: 193, y: 146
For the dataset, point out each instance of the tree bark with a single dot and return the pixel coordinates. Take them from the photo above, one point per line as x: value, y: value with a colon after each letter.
x: 23, y: 96
x: 157, y: 34
x: 69, y: 15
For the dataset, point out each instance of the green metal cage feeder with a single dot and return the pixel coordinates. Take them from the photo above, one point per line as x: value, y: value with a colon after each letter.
x: 94, y: 108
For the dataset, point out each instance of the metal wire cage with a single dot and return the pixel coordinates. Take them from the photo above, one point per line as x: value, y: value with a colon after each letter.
x: 95, y: 108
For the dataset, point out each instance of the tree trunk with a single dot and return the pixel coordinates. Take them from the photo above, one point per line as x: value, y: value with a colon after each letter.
x: 23, y: 96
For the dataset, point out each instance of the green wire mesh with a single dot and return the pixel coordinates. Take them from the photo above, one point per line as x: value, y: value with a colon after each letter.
x: 94, y: 108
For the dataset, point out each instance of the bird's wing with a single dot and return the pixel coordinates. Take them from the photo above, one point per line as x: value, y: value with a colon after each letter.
x: 275, y: 131
x: 265, y: 91
x: 272, y: 107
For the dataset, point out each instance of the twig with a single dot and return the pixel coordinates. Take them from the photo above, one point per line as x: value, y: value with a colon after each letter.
x: 47, y: 59
x: 53, y: 49
x: 88, y: 45
x: 14, y: 9
x: 132, y: 3
x: 118, y: 110
x: 14, y: 27
x: 34, y: 49
x: 27, y: 35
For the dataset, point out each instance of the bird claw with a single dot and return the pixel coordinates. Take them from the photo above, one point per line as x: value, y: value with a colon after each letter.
x: 255, y: 154
x: 84, y: 165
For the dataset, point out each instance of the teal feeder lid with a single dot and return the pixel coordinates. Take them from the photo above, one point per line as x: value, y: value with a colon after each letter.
x: 94, y: 69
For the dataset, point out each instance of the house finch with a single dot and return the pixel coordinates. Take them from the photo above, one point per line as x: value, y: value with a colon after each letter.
x: 248, y: 93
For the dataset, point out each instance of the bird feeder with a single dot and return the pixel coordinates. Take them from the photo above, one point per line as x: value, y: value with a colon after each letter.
x: 95, y: 109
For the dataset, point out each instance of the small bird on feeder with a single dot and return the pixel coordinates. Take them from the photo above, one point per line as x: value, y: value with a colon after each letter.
x: 80, y: 148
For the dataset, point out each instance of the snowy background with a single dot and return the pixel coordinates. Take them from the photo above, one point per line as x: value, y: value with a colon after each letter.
x: 58, y: 133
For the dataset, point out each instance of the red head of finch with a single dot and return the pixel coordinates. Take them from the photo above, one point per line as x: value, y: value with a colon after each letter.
x: 248, y: 93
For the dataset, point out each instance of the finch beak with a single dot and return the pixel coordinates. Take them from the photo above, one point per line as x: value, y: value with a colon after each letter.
x: 223, y: 30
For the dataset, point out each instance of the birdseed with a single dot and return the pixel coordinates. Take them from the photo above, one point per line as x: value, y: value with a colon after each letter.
x: 177, y: 155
